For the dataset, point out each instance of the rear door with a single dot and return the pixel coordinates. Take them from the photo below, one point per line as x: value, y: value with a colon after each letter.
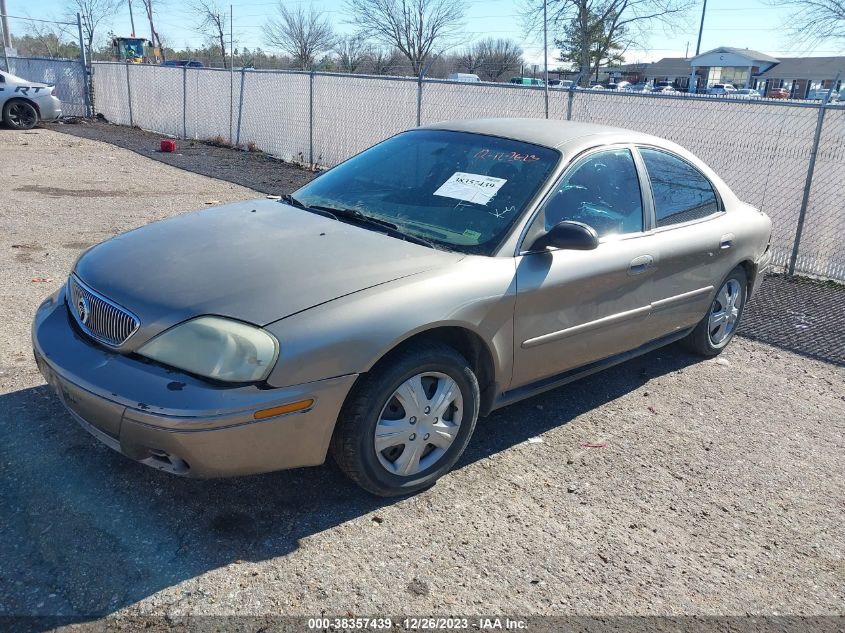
x: 576, y: 307
x: 692, y: 240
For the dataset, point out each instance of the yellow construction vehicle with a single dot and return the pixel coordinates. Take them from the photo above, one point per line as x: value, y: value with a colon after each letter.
x: 135, y: 50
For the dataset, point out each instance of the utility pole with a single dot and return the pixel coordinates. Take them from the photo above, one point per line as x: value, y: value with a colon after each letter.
x: 131, y: 18
x: 7, y: 37
x: 692, y: 78
x: 546, y: 55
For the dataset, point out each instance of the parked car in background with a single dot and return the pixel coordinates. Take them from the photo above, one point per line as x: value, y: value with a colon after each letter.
x: 820, y: 94
x: 376, y: 312
x: 721, y: 89
x: 622, y: 85
x: 666, y: 90
x: 527, y: 81
x: 184, y: 63
x: 464, y: 77
x: 778, y: 93
x: 641, y: 87
x: 562, y: 84
x: 24, y: 103
x: 746, y: 93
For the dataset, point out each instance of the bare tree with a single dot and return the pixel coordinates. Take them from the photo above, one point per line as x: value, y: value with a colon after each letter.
x: 811, y: 21
x: 352, y: 51
x: 213, y: 23
x: 93, y: 13
x: 302, y: 34
x: 48, y: 36
x: 491, y: 58
x: 154, y: 36
x: 617, y: 17
x: 414, y: 27
x: 384, y: 61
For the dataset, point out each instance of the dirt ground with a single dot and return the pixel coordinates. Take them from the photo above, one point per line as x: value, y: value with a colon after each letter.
x: 716, y: 489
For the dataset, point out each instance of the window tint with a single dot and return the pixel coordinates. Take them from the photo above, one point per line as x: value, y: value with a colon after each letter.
x: 603, y: 191
x: 681, y: 192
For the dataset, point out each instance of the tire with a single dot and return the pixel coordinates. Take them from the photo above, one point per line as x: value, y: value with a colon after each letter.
x: 20, y: 115
x: 406, y: 429
x: 710, y: 336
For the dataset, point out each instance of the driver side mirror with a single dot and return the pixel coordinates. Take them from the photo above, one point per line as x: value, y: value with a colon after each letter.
x: 569, y: 235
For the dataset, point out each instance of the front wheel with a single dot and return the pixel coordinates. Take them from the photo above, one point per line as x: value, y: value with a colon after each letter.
x: 20, y: 115
x: 407, y: 422
x: 717, y: 328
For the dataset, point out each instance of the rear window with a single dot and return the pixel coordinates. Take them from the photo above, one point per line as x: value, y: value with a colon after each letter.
x: 681, y: 192
x: 458, y: 189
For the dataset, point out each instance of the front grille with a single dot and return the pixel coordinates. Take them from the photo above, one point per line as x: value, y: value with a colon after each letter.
x: 100, y: 318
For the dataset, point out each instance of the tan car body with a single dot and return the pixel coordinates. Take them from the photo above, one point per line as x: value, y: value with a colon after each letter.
x: 526, y: 322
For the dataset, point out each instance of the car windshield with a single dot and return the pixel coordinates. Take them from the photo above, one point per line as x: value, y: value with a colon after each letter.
x: 459, y: 190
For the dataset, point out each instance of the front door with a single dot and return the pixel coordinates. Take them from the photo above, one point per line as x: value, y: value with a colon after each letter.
x: 576, y: 307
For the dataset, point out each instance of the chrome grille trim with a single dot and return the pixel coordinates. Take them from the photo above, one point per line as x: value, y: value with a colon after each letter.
x: 105, y: 321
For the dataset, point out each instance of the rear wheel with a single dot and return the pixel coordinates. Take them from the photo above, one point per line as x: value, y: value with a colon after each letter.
x: 20, y: 115
x: 408, y: 421
x: 717, y: 328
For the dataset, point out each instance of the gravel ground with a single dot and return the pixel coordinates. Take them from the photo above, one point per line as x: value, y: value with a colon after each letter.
x: 717, y: 489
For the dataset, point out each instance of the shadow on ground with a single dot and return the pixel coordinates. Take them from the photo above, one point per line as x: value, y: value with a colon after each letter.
x: 85, y: 531
x: 799, y: 315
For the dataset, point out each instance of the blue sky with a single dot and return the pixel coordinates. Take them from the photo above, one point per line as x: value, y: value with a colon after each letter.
x: 741, y: 23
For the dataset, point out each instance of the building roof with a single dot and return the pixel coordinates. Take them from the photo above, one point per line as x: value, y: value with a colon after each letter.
x: 668, y: 67
x: 744, y: 52
x: 806, y: 68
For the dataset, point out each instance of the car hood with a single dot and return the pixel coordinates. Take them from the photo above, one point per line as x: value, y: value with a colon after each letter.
x: 257, y: 261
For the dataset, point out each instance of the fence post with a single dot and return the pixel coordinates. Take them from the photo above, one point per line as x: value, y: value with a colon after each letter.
x: 311, y: 119
x: 129, y: 95
x: 572, y: 95
x: 419, y: 98
x: 240, y: 107
x: 87, y: 78
x: 185, y: 102
x: 808, y: 183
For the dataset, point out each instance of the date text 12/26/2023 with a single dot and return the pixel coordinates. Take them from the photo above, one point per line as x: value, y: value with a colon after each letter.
x: 418, y: 623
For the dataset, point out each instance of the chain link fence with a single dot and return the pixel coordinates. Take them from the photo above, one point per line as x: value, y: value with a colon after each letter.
x: 68, y: 76
x: 765, y: 150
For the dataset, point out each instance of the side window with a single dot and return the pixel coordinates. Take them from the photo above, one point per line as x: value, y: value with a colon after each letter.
x: 681, y: 192
x: 602, y: 191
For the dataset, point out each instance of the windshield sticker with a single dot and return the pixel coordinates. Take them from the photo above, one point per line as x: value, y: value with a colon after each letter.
x: 473, y: 188
x: 486, y: 154
x: 473, y: 235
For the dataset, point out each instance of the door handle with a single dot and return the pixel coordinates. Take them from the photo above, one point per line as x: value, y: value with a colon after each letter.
x: 640, y: 264
x: 726, y: 241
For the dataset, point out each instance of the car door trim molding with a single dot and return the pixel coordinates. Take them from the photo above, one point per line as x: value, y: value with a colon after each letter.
x: 620, y: 317
x: 674, y: 300
x: 613, y: 319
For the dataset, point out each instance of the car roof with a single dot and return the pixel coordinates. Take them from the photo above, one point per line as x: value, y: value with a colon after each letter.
x: 546, y: 132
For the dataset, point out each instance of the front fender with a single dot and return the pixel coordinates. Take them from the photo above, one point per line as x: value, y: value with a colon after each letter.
x: 350, y: 334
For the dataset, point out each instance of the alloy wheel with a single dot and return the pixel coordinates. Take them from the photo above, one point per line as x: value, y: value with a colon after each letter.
x: 724, y: 313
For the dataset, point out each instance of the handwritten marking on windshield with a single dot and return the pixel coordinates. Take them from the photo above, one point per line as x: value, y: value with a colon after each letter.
x: 486, y: 154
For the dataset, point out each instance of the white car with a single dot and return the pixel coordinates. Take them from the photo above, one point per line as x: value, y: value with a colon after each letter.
x: 468, y: 78
x: 721, y: 89
x: 24, y: 103
x: 747, y: 93
x: 820, y: 94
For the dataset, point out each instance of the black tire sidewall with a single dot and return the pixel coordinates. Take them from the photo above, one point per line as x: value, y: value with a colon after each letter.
x: 7, y: 120
x: 377, y: 398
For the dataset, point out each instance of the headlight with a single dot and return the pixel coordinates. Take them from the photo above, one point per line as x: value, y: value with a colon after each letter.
x: 217, y: 348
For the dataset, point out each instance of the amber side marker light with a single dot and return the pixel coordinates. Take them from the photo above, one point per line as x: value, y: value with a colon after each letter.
x: 291, y: 407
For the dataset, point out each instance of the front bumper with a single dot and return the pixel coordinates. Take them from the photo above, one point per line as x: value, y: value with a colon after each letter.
x: 175, y: 422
